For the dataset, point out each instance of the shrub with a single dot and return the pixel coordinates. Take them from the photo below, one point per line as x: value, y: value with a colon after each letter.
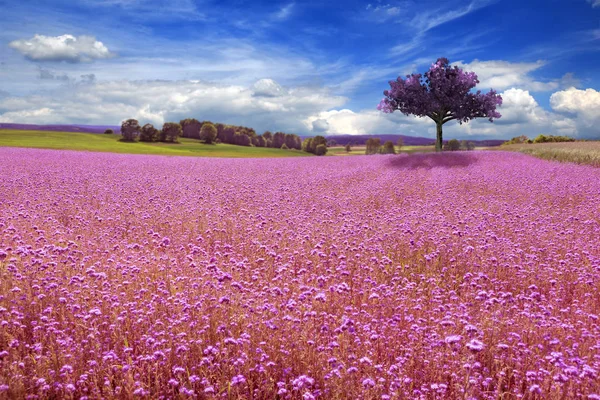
x: 518, y: 140
x: 552, y: 139
x: 109, y: 132
x: 284, y: 147
x: 388, y: 148
x: 452, y: 145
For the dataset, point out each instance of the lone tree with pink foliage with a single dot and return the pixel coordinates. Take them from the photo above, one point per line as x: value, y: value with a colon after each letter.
x: 443, y: 94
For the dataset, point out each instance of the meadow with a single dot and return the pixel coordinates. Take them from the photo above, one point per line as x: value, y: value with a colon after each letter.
x: 467, y: 275
x: 111, y: 143
x: 587, y: 152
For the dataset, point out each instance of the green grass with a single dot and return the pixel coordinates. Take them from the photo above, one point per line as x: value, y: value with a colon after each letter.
x: 111, y: 144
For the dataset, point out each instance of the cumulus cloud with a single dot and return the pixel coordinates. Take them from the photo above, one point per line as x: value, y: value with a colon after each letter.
x: 518, y: 107
x: 500, y: 75
x: 363, y: 122
x: 320, y: 125
x: 583, y: 104
x: 66, y: 48
x: 160, y: 101
x: 267, y: 88
x: 521, y: 115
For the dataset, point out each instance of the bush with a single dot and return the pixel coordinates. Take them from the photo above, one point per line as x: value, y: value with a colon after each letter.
x: 464, y: 145
x: 452, y: 145
x: 518, y: 140
x: 388, y: 148
x: 208, y: 133
x: 284, y: 147
x: 109, y: 132
x: 552, y: 139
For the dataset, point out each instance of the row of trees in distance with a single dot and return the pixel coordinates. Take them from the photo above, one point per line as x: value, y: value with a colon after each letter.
x: 209, y: 133
x: 541, y: 138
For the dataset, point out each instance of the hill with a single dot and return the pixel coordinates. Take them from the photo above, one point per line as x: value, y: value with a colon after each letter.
x: 110, y: 143
x: 61, y: 128
x: 340, y: 139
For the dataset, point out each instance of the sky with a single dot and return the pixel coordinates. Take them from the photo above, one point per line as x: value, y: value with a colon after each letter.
x: 304, y: 67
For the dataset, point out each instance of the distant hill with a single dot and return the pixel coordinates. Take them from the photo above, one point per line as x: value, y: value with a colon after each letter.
x: 62, y: 128
x: 339, y: 139
x: 408, y: 140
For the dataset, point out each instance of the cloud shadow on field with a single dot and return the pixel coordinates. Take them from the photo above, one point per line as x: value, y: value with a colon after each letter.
x: 433, y: 160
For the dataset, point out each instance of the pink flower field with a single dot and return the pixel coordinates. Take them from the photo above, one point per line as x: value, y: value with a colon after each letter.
x: 433, y: 276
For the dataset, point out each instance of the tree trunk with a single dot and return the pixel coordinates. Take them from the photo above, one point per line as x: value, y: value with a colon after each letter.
x: 438, y: 138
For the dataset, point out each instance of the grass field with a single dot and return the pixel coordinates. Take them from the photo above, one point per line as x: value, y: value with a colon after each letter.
x: 575, y: 152
x: 111, y: 144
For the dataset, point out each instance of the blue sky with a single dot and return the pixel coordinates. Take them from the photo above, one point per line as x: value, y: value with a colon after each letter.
x: 305, y: 67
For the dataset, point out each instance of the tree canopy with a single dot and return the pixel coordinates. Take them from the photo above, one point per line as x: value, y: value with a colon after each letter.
x: 443, y: 94
x: 130, y: 129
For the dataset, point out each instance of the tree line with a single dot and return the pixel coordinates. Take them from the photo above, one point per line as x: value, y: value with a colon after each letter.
x: 208, y: 132
x: 541, y: 138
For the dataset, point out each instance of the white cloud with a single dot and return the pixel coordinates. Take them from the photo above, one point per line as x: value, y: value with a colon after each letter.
x: 594, y: 3
x: 267, y: 88
x: 583, y: 104
x: 521, y: 115
x: 430, y: 19
x: 61, y: 48
x: 161, y: 101
x: 284, y: 12
x: 364, y: 122
x: 518, y: 107
x: 501, y: 75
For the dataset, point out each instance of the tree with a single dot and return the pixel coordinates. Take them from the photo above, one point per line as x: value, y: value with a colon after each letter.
x: 109, y: 131
x: 348, y: 148
x: 208, y: 133
x: 443, y: 95
x: 321, y: 150
x: 373, y: 145
x: 171, y: 131
x: 278, y: 139
x: 400, y: 143
x: 388, y: 148
x: 190, y: 128
x: 310, y: 145
x: 149, y: 133
x: 452, y: 145
x: 130, y: 130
